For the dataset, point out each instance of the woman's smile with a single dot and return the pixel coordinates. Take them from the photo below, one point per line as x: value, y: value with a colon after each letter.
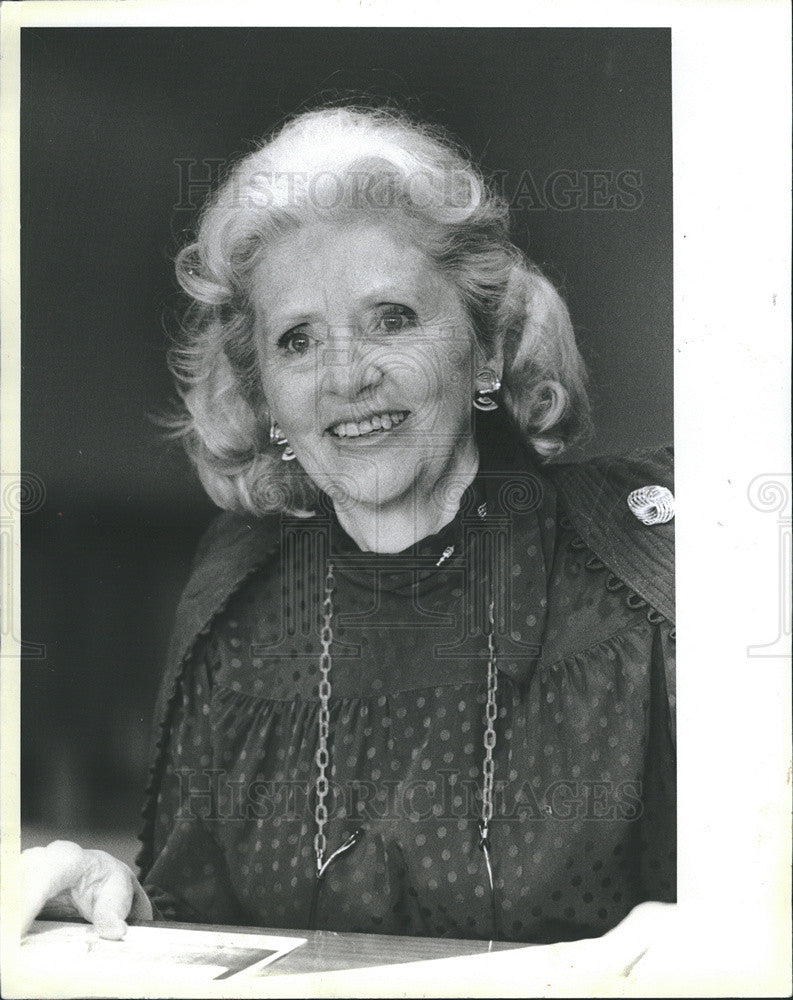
x: 378, y: 424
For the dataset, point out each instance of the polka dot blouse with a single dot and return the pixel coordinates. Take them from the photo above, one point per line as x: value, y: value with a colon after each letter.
x: 583, y: 823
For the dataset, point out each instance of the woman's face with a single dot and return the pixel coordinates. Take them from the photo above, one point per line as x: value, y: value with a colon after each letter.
x: 367, y: 360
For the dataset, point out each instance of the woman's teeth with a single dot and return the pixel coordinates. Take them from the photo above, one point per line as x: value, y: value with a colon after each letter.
x: 381, y: 421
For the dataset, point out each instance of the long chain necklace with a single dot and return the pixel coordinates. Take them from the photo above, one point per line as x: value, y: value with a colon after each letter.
x: 488, y: 764
x: 322, y: 757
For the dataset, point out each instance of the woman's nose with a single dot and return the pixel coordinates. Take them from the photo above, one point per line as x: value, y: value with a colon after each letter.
x: 349, y: 367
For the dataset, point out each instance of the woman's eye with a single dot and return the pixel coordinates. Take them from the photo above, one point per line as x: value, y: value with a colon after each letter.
x: 295, y: 341
x: 394, y: 318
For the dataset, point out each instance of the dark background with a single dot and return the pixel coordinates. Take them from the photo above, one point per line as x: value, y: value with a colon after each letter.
x: 106, y: 113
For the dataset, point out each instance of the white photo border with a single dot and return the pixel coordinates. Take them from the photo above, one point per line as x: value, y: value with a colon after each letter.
x: 732, y: 207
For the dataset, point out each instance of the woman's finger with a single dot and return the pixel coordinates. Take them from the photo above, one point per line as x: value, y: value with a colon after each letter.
x: 47, y: 872
x: 110, y: 895
x: 106, y: 897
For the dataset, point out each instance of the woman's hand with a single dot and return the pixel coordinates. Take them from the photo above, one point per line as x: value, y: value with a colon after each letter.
x: 68, y: 881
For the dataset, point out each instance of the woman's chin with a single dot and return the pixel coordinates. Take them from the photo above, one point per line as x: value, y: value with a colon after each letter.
x: 365, y: 476
x: 374, y: 492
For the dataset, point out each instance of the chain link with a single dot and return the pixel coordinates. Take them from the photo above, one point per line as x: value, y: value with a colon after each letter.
x: 491, y: 712
x: 322, y: 756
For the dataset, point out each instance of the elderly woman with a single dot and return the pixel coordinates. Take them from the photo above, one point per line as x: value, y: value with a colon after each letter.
x: 421, y: 680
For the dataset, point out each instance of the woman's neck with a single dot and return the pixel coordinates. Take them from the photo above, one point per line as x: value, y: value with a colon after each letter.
x: 422, y: 511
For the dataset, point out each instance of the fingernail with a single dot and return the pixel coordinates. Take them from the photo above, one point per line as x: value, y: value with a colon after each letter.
x: 112, y: 931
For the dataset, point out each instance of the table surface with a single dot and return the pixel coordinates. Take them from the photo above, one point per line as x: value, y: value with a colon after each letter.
x: 330, y: 951
x: 333, y: 951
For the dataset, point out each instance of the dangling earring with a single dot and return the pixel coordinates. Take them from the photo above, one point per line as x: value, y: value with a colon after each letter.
x: 482, y: 401
x: 278, y: 438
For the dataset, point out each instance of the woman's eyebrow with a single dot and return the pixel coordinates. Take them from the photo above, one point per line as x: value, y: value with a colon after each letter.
x: 278, y: 321
x: 410, y: 278
x: 414, y: 291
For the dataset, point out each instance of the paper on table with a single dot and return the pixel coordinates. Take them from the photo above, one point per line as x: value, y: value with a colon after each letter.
x: 51, y: 948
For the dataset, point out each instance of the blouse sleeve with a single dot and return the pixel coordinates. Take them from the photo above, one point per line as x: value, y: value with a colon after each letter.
x: 188, y: 879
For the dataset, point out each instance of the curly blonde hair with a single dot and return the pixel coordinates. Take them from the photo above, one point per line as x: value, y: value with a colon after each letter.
x: 342, y: 162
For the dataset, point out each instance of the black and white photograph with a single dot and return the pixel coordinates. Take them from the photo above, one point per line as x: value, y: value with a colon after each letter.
x: 347, y: 626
